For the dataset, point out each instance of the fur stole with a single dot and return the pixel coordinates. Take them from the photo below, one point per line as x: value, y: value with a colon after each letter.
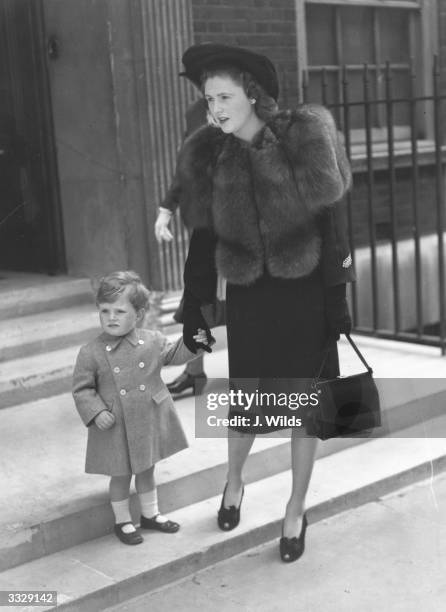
x: 263, y: 198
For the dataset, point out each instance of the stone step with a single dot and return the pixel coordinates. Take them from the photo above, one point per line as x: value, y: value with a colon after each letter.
x: 47, y: 331
x: 54, y: 443
x: 23, y: 294
x: 103, y: 572
x: 31, y: 376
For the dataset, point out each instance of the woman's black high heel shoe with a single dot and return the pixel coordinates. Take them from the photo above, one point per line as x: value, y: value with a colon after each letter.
x: 229, y: 518
x: 293, y: 548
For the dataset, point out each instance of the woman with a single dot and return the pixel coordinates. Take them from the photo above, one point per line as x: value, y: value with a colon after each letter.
x: 261, y: 190
x: 193, y: 377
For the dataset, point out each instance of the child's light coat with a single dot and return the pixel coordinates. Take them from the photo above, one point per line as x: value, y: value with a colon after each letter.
x: 122, y: 375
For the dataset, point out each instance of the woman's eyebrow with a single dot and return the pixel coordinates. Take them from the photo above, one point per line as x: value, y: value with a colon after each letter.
x: 220, y: 93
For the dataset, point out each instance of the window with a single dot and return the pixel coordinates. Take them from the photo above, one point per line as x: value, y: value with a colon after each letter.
x: 333, y: 34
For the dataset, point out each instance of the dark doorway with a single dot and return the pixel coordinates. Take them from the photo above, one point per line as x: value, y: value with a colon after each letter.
x: 31, y: 236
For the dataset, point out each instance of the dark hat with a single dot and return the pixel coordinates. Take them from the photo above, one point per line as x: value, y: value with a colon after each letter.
x: 209, y: 55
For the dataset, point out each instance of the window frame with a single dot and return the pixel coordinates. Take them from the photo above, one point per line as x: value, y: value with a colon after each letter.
x: 423, y: 23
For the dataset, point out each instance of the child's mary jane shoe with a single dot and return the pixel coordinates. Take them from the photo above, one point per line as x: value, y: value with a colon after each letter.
x: 131, y: 538
x: 164, y: 526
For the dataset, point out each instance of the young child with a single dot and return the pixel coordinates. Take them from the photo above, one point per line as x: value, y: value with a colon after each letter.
x: 121, y: 398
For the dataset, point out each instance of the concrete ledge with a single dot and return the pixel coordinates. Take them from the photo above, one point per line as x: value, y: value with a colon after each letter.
x: 54, y: 517
x: 48, y: 331
x: 31, y: 376
x: 103, y: 572
x: 91, y: 516
x: 24, y: 294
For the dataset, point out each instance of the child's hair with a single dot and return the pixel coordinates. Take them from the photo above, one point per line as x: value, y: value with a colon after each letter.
x: 112, y: 285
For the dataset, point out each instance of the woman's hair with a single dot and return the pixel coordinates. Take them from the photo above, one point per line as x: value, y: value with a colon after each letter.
x: 265, y: 106
x: 114, y: 284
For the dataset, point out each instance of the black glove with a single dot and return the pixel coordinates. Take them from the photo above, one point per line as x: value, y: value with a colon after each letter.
x: 193, y: 320
x: 336, y: 311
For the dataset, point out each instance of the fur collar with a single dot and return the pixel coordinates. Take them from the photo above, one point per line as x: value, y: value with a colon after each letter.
x: 262, y: 198
x: 310, y: 143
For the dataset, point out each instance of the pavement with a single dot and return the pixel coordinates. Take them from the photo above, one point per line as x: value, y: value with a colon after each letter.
x: 389, y: 554
x: 56, y: 521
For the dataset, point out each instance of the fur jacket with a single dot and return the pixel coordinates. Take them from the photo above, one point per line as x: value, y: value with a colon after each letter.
x: 264, y: 199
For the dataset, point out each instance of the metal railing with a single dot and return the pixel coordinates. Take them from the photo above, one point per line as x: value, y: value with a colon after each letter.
x: 400, y: 292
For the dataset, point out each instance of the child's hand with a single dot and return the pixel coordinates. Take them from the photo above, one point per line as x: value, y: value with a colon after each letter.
x: 105, y: 420
x: 202, y: 338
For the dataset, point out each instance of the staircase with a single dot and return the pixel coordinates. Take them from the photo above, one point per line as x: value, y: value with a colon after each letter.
x: 56, y: 522
x: 43, y: 322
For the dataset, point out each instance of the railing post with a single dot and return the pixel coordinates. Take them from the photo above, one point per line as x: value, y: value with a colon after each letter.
x: 391, y: 168
x: 324, y: 86
x: 370, y: 195
x: 346, y: 131
x: 415, y: 196
x: 439, y: 198
x: 305, y: 86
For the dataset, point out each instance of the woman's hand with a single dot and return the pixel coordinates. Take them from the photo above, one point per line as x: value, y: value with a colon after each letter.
x: 194, y: 325
x: 202, y: 338
x: 162, y: 231
x: 104, y: 420
x: 196, y: 333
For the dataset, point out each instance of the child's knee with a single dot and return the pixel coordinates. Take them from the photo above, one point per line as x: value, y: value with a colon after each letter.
x: 147, y: 473
x: 145, y: 481
x: 119, y: 486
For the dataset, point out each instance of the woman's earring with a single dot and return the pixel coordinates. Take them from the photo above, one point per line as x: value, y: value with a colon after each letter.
x: 252, y: 100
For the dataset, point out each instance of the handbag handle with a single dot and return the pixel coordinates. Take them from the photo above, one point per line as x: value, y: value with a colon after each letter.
x: 355, y: 348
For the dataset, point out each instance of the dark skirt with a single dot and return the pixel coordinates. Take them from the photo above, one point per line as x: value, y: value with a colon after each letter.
x: 277, y: 334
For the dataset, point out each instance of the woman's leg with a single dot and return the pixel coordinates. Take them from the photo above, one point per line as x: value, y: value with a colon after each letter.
x: 303, y: 452
x: 239, y: 445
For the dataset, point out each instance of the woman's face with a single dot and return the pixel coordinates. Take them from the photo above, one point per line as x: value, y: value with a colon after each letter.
x: 229, y: 105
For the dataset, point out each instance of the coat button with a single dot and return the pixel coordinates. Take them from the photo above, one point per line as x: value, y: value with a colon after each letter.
x: 141, y: 364
x: 123, y: 392
x: 108, y: 348
x: 140, y: 341
x: 116, y: 370
x: 142, y: 387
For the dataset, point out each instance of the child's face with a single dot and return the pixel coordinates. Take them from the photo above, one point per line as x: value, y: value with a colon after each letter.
x: 118, y: 318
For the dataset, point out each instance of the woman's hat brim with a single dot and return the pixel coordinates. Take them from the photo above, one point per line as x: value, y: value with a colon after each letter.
x: 198, y: 58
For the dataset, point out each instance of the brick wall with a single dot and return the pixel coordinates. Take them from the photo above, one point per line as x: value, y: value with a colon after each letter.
x: 263, y: 26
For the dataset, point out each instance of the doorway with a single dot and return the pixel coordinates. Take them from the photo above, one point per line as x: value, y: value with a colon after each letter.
x: 31, y: 236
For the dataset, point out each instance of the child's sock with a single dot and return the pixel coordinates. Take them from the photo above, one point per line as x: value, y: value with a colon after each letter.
x: 121, y: 510
x: 149, y: 505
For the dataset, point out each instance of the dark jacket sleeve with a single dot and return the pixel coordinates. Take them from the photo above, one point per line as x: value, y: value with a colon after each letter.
x: 200, y: 287
x: 195, y: 118
x: 173, y: 195
x: 200, y: 274
x: 336, y: 258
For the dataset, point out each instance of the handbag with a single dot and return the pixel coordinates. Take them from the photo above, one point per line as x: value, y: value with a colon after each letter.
x: 347, y: 405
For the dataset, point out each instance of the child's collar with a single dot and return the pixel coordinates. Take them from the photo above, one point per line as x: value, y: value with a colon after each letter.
x: 114, y: 341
